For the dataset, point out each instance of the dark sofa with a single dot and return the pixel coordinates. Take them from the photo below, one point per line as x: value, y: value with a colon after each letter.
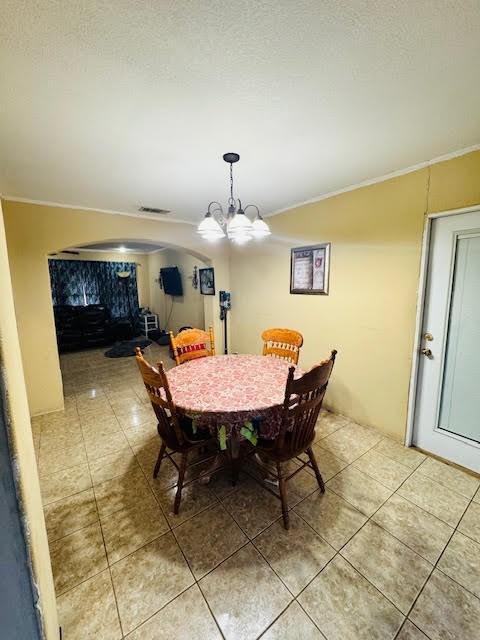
x: 83, y: 327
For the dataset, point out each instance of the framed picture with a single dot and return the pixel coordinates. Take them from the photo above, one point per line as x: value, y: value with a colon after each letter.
x: 207, y: 281
x: 309, y: 269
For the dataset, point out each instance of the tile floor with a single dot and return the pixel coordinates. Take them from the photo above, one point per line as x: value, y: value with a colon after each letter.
x: 391, y: 550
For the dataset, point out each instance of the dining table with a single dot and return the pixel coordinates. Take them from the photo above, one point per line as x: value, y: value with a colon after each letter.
x: 235, y: 397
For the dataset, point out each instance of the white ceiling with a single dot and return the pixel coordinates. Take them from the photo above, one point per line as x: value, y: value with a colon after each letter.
x: 113, y: 105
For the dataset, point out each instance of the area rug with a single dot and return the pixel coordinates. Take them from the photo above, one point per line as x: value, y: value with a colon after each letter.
x: 127, y: 348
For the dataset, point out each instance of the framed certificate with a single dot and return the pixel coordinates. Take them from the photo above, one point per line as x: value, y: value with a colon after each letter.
x: 309, y: 269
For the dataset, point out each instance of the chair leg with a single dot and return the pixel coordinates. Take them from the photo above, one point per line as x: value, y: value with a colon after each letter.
x: 234, y: 455
x: 318, y: 475
x: 156, y: 469
x: 181, y: 476
x: 282, y: 485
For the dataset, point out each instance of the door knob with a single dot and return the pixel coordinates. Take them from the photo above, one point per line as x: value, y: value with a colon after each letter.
x: 426, y: 352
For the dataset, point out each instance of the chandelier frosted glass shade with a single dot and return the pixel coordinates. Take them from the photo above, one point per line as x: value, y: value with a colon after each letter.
x: 239, y: 226
x: 210, y: 229
x: 260, y: 228
x: 235, y: 224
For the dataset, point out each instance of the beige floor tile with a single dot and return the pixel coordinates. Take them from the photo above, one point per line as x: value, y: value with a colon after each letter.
x: 92, y: 423
x: 366, y: 494
x: 389, y: 565
x: 450, y: 477
x: 70, y: 514
x: 404, y: 455
x: 221, y: 483
x: 470, y: 523
x: 63, y: 437
x: 65, y: 483
x: 185, y: 618
x: 58, y: 419
x: 90, y: 611
x: 53, y: 460
x: 345, y: 606
x: 461, y: 562
x: 98, y: 429
x: 120, y: 396
x: 98, y: 406
x: 300, y: 486
x: 351, y: 441
x: 127, y: 530
x: 104, y: 445
x: 135, y: 418
x: 126, y: 404
x: 142, y: 433
x: 328, y: 464
x: 444, y: 610
x: 383, y: 469
x: 195, y: 498
x: 328, y: 423
x: 296, y: 555
x: 91, y: 393
x: 208, y: 538
x: 123, y: 492
x: 113, y: 465
x: 441, y: 502
x: 293, y: 624
x: 77, y: 557
x: 410, y: 632
x: 476, y: 497
x: 148, y: 579
x: 332, y: 517
x: 252, y: 507
x: 415, y: 527
x: 244, y: 595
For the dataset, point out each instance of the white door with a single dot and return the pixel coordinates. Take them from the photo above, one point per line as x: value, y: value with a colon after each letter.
x: 447, y: 409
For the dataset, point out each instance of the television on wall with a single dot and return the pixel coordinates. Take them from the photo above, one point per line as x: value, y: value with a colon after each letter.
x: 172, y: 281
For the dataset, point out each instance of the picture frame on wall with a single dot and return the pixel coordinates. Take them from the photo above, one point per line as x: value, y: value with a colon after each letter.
x: 207, y: 281
x: 309, y: 269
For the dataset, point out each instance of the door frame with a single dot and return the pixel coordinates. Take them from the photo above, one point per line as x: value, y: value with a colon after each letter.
x: 421, y: 295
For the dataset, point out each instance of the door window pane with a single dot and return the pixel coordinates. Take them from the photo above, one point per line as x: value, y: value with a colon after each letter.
x: 460, y: 401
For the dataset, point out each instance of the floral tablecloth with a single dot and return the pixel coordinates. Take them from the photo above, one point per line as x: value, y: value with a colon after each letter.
x: 230, y: 391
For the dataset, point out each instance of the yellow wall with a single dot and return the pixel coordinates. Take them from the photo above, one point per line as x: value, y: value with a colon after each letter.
x: 34, y: 231
x: 143, y: 278
x: 23, y: 454
x: 187, y: 310
x: 369, y: 315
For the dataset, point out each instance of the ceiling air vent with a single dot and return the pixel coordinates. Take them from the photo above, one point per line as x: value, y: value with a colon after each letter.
x: 154, y: 210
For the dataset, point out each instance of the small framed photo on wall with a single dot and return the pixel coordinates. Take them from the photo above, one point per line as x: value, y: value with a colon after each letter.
x: 309, y: 269
x: 207, y: 281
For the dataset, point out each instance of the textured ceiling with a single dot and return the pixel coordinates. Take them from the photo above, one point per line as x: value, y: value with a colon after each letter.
x: 114, y: 105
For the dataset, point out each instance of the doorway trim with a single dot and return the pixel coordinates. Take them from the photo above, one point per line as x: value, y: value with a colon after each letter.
x: 422, y: 286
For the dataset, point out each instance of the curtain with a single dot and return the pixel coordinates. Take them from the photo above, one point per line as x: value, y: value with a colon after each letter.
x: 82, y: 282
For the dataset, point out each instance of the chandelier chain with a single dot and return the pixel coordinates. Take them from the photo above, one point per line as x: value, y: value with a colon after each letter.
x: 231, y: 182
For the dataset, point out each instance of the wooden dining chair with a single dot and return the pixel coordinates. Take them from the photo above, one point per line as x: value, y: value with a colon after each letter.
x: 191, y: 344
x: 175, y: 431
x: 282, y: 343
x: 302, y: 404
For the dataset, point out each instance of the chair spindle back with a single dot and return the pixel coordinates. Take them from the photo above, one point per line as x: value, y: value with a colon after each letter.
x: 282, y: 343
x: 191, y: 344
x: 156, y: 384
x: 302, y: 404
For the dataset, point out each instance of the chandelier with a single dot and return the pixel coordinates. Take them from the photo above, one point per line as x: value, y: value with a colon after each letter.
x: 235, y: 224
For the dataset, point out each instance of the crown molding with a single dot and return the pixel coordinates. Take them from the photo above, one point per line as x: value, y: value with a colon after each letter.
x: 78, y: 207
x: 371, y: 181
